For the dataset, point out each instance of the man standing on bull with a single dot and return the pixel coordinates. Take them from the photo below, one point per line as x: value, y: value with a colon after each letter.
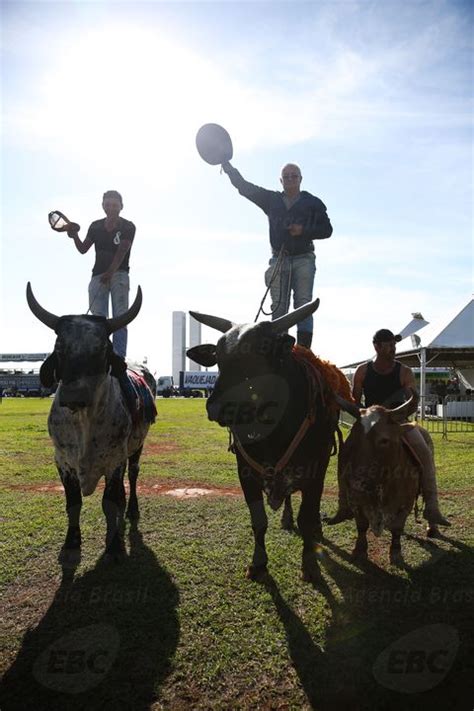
x: 385, y: 381
x: 112, y: 238
x: 296, y: 218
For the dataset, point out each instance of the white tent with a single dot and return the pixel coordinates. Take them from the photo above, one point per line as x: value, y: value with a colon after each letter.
x: 451, y: 346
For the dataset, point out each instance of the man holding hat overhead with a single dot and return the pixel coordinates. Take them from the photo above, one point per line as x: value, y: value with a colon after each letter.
x: 385, y: 381
x: 296, y: 218
x: 112, y: 238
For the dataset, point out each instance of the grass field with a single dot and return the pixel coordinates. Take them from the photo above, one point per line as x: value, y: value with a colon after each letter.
x: 177, y: 625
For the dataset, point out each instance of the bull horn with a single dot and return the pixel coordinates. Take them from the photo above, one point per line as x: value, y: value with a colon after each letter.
x: 113, y: 324
x: 44, y: 316
x: 220, y: 324
x: 347, y: 406
x: 285, y: 322
x: 405, y: 409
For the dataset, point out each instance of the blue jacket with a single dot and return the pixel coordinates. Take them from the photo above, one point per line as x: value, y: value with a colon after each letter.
x: 308, y: 211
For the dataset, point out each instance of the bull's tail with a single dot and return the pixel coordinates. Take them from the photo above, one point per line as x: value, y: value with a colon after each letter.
x: 340, y: 441
x: 416, y: 510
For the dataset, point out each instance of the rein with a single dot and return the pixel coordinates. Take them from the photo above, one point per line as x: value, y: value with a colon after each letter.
x: 314, y: 380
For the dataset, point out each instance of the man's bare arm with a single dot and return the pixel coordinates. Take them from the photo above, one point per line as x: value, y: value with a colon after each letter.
x: 357, y: 383
x: 407, y: 380
x: 81, y: 246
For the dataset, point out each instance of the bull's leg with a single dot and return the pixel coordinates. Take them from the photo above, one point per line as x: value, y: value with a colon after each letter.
x: 396, y: 557
x: 360, y: 548
x: 70, y: 554
x: 113, y: 506
x: 254, y: 499
x: 287, y: 521
x: 309, y: 518
x: 309, y: 525
x: 133, y: 512
x: 344, y: 512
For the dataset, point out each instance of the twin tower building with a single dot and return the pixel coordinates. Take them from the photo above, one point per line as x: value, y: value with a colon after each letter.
x: 180, y: 345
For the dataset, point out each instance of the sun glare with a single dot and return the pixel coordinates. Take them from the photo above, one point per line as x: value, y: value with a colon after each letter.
x: 130, y: 92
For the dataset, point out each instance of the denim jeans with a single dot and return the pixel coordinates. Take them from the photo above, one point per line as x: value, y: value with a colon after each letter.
x: 99, y: 304
x: 297, y: 275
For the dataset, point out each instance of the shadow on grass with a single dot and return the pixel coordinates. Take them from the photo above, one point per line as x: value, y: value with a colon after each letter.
x: 377, y: 610
x: 106, y: 642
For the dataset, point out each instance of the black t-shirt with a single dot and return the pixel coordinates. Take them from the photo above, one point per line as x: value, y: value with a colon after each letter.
x: 106, y: 244
x: 385, y: 389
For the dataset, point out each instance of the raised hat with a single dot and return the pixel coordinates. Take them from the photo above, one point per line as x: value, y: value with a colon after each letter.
x: 214, y: 144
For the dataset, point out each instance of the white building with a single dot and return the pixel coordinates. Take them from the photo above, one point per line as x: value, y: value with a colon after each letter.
x: 179, y: 344
x: 194, y: 340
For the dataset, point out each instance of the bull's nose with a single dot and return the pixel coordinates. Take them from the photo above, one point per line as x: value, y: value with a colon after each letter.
x: 74, y: 407
x: 213, y: 411
x: 73, y: 398
x: 275, y: 501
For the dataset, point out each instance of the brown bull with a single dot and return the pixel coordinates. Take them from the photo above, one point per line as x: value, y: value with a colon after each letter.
x: 379, y: 473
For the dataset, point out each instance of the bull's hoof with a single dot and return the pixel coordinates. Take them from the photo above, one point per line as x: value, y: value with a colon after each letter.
x: 396, y: 558
x: 432, y: 531
x: 287, y: 523
x: 69, y: 557
x: 435, y: 517
x: 133, y: 514
x: 359, y: 555
x: 310, y: 572
x: 256, y: 572
x: 340, y: 516
x: 115, y: 551
x: 115, y: 557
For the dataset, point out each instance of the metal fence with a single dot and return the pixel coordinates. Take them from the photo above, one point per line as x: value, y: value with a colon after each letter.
x: 453, y: 413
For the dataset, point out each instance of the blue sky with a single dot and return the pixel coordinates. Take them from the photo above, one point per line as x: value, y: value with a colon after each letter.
x: 373, y: 100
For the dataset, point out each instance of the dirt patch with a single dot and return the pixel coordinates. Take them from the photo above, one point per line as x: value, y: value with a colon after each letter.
x: 160, y: 448
x: 177, y: 489
x: 193, y: 492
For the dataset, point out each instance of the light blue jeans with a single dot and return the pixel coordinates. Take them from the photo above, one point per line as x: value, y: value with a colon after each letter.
x: 99, y: 304
x: 296, y: 275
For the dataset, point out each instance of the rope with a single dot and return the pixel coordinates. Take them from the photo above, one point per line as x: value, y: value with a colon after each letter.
x: 91, y: 304
x: 277, y: 269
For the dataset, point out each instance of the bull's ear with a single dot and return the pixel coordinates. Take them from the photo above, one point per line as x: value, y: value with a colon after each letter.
x: 205, y: 354
x: 118, y: 365
x: 287, y: 342
x: 347, y: 406
x: 48, y: 371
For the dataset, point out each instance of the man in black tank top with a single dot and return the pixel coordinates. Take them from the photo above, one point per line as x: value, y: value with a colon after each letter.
x: 385, y: 381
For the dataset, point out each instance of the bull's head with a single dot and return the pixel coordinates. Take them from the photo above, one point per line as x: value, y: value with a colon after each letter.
x: 377, y: 427
x: 396, y: 415
x: 83, y: 353
x: 253, y: 390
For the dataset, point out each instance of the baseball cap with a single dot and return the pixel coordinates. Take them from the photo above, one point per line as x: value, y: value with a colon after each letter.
x: 384, y: 334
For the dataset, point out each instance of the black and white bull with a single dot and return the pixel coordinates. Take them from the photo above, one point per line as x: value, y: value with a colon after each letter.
x: 282, y: 429
x: 89, y: 422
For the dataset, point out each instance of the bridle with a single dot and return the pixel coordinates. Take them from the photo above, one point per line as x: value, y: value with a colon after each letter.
x: 315, y: 385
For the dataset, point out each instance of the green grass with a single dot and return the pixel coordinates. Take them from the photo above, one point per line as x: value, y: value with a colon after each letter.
x: 193, y: 632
